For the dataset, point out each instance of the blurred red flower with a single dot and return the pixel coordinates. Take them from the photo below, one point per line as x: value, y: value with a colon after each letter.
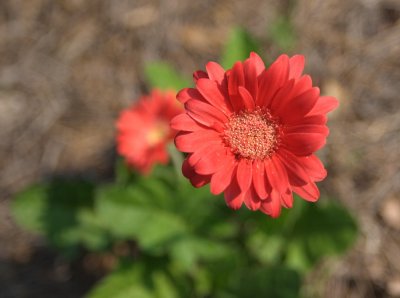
x: 143, y: 130
x: 251, y: 132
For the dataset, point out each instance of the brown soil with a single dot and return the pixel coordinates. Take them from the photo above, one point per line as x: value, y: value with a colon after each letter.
x: 67, y: 68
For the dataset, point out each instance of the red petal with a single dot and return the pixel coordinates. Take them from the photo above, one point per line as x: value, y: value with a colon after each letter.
x: 236, y: 79
x: 296, y: 66
x: 258, y: 63
x: 287, y: 199
x: 201, y: 151
x: 206, y: 114
x: 250, y: 75
x: 259, y: 180
x: 233, y: 196
x: 313, y: 166
x: 223, y: 177
x: 314, y: 119
x: 190, y: 142
x: 211, y: 161
x: 298, y: 87
x: 277, y: 175
x: 272, y: 207
x: 324, y: 105
x: 215, y: 72
x: 199, y: 75
x: 307, y: 128
x: 195, y: 179
x: 189, y: 93
x: 185, y: 123
x: 296, y: 173
x: 251, y: 199
x: 308, y: 192
x: 298, y: 107
x: 282, y: 96
x: 212, y: 94
x: 248, y: 100
x: 244, y: 174
x: 303, y: 144
x: 271, y: 80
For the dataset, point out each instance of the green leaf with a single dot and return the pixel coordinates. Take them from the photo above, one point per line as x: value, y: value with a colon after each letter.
x: 122, y: 283
x: 190, y: 250
x: 131, y: 213
x: 137, y: 280
x: 277, y: 282
x: 240, y: 44
x: 267, y: 248
x: 163, y: 76
x: 28, y: 208
x: 282, y: 34
x: 324, y: 229
x: 60, y: 211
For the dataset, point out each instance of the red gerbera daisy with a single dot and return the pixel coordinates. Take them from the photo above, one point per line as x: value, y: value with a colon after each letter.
x: 144, y: 131
x: 252, y: 132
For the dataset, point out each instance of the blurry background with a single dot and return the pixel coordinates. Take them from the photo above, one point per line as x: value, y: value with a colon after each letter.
x: 68, y: 67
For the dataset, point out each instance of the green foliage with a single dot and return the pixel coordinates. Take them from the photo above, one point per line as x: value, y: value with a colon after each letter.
x: 163, y: 76
x: 304, y: 235
x: 240, y: 44
x: 277, y: 282
x: 63, y: 211
x: 135, y: 280
x: 190, y: 243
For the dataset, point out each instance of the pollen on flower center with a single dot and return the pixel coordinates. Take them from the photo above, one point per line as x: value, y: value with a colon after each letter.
x: 252, y: 135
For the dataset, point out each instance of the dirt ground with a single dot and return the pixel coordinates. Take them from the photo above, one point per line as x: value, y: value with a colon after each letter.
x: 68, y: 67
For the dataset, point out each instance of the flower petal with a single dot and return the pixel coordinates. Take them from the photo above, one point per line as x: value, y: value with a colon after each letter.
x: 313, y: 166
x: 248, y: 100
x: 212, y: 161
x: 188, y: 93
x: 195, y: 179
x: 250, y: 76
x: 297, y: 175
x: 234, y: 196
x: 185, y: 123
x: 271, y: 80
x: 221, y: 179
x: 308, y: 192
x: 244, y: 174
x: 259, y: 180
x: 258, y: 63
x: 277, y: 175
x: 191, y: 141
x: 215, y: 72
x: 206, y: 114
x: 252, y: 200
x: 287, y: 199
x: 236, y: 79
x: 212, y: 94
x: 289, y: 91
x: 272, y: 206
x: 201, y: 151
x: 299, y: 106
x: 324, y: 105
x: 200, y: 74
x: 296, y: 66
x: 314, y: 119
x: 303, y: 144
x: 307, y: 128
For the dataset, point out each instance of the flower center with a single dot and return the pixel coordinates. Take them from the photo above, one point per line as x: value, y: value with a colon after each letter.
x: 252, y: 135
x: 157, y: 133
